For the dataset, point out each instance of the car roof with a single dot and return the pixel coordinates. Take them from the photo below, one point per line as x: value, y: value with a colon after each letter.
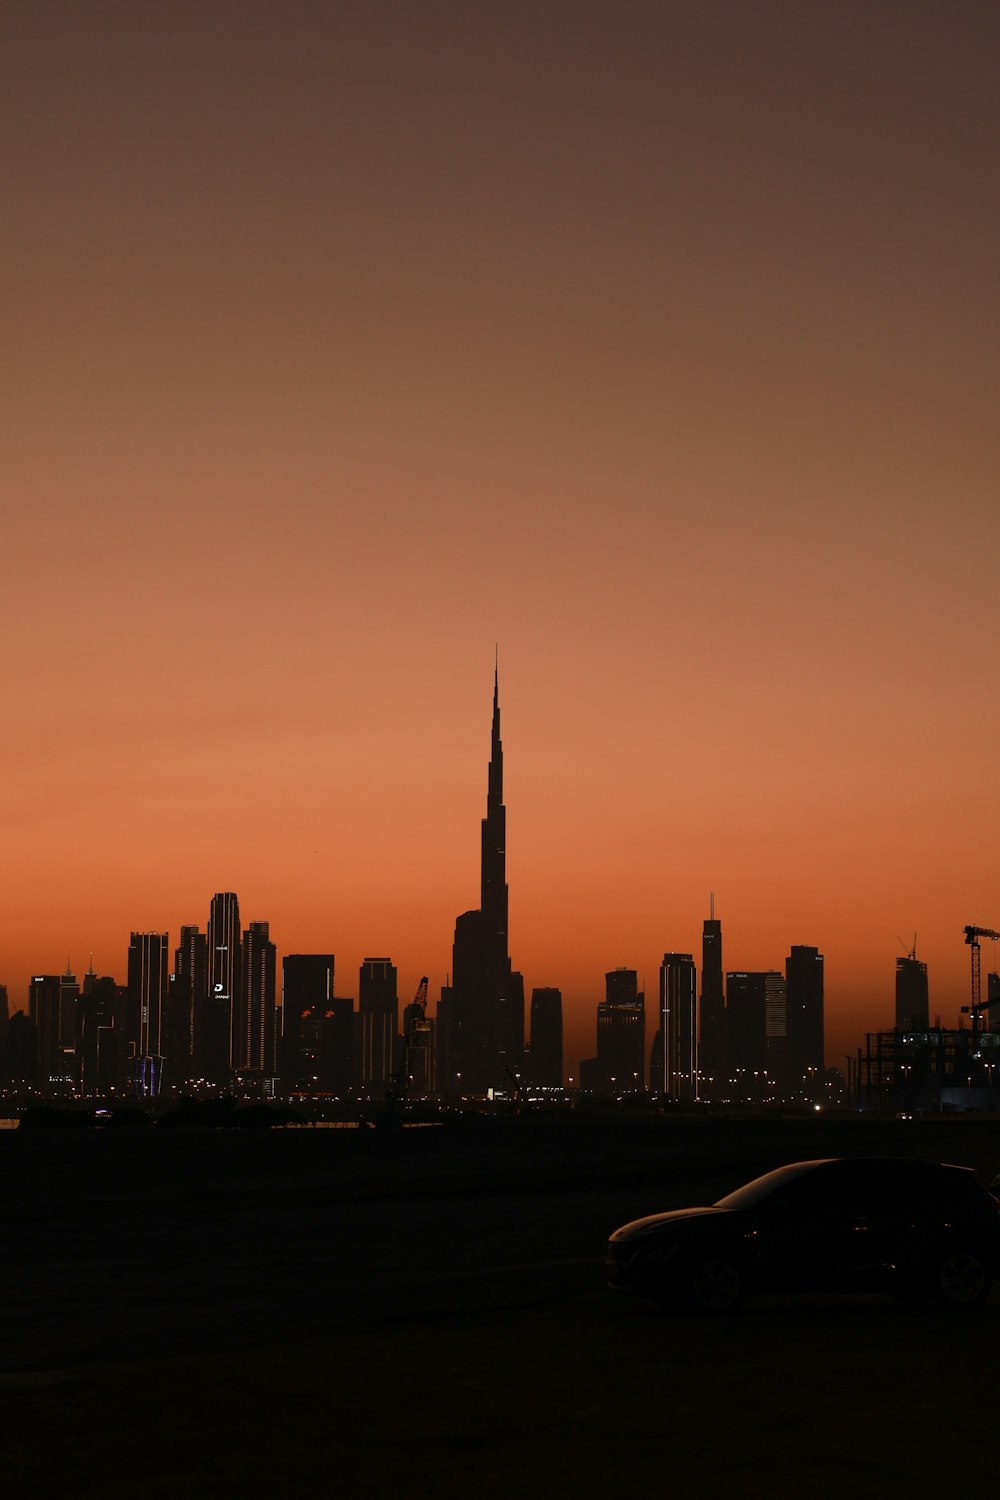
x: 762, y: 1187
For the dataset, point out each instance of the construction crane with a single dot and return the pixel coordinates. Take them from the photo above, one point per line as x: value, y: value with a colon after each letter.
x: 420, y: 998
x: 972, y: 936
x: 413, y: 1015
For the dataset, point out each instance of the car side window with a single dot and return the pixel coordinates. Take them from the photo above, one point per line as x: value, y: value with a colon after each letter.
x: 841, y: 1185
x: 875, y: 1184
x: 813, y: 1190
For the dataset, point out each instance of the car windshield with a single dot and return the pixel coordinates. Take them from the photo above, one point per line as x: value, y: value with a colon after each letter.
x: 752, y: 1193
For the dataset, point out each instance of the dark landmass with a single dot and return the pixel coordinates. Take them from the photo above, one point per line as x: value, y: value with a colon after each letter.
x: 422, y: 1312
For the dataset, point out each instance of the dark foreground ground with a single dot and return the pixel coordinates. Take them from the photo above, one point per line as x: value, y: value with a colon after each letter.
x: 334, y: 1313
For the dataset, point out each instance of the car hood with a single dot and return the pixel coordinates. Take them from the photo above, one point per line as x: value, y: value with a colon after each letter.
x: 652, y: 1223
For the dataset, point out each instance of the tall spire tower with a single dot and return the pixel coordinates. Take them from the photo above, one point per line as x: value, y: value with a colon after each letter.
x: 493, y: 897
x: 481, y: 1030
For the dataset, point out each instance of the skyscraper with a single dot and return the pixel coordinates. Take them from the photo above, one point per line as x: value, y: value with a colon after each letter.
x: 620, y: 1064
x: 69, y: 994
x: 776, y: 1025
x: 221, y: 1026
x: 378, y: 1004
x: 712, y: 1011
x: 43, y: 1009
x: 756, y: 1024
x: 912, y: 997
x: 546, y: 1059
x: 147, y: 998
x: 186, y: 1005
x: 19, y: 1065
x: 335, y: 1038
x: 678, y: 1028
x: 746, y: 1031
x: 257, y: 1000
x: 804, y: 977
x: 485, y: 1034
x: 306, y: 994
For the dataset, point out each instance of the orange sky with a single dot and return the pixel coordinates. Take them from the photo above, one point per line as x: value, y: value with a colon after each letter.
x: 657, y: 342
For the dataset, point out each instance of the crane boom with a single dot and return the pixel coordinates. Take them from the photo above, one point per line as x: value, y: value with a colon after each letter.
x: 972, y: 936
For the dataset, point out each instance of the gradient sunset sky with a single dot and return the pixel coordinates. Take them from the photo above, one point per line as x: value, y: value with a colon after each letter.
x: 657, y: 342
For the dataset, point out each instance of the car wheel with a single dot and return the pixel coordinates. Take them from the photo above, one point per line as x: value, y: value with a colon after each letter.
x: 713, y: 1284
x: 962, y: 1279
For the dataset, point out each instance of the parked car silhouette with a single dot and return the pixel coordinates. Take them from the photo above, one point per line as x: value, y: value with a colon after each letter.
x: 919, y: 1230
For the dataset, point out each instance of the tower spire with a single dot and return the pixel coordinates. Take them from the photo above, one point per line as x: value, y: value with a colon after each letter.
x: 494, y: 880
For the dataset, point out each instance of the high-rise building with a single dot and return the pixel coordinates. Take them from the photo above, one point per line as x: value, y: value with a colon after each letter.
x: 44, y: 1011
x: 222, y: 1004
x: 484, y: 1037
x: 712, y: 1009
x: 746, y: 1030
x: 756, y: 1026
x: 69, y: 994
x: 545, y: 1064
x: 306, y: 991
x: 378, y: 1006
x: 776, y: 1026
x: 805, y: 1057
x: 101, y: 1027
x: 912, y: 998
x: 678, y: 1077
x: 256, y: 1034
x: 184, y: 1024
x: 20, y: 1056
x: 147, y: 1000
x: 620, y: 1064
x: 337, y: 1046
x: 447, y: 1046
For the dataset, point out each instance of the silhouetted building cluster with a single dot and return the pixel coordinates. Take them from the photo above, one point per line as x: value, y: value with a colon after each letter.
x: 758, y: 1038
x: 215, y: 1020
x: 217, y: 1017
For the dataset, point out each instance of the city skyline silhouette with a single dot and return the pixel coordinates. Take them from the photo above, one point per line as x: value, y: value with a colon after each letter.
x: 219, y: 1014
